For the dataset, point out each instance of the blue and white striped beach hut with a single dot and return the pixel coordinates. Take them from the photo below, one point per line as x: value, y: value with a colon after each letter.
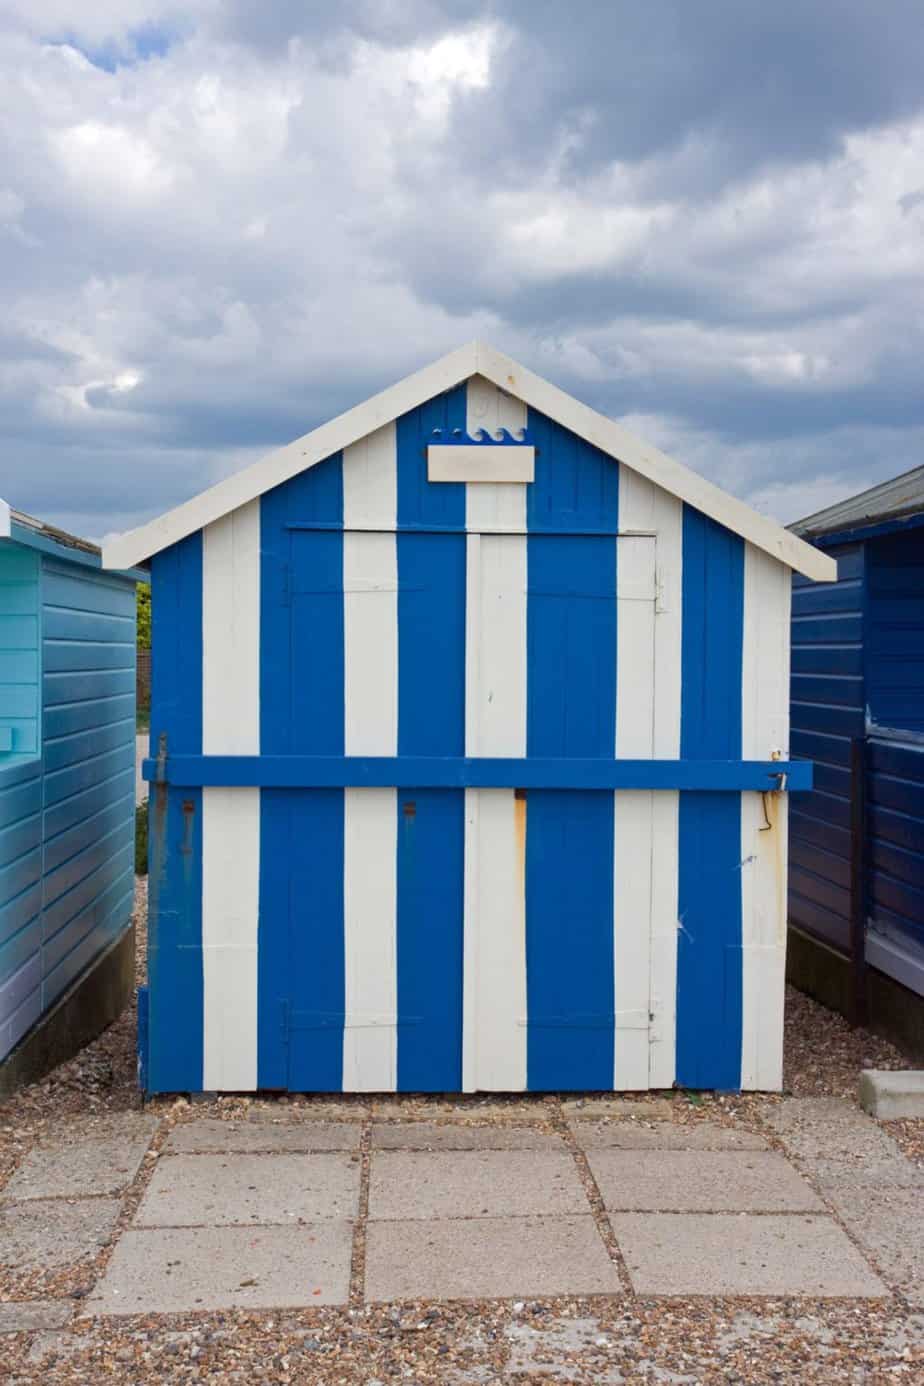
x: 468, y: 753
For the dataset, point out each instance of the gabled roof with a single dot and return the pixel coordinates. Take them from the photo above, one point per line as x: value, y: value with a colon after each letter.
x: 474, y: 359
x: 897, y: 499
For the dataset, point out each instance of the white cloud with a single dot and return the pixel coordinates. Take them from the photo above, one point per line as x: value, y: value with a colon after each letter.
x: 208, y: 253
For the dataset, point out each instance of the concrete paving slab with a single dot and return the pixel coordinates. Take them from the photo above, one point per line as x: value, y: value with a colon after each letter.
x: 596, y: 1108
x: 533, y: 1110
x: 838, y: 1144
x: 210, y: 1134
x: 347, y: 1107
x: 224, y: 1190
x: 487, y: 1258
x: 177, y: 1270
x: 889, y: 1225
x: 31, y: 1315
x: 54, y: 1233
x: 892, y: 1095
x: 734, y: 1254
x: 699, y: 1181
x: 663, y: 1135
x: 428, y: 1135
x: 79, y: 1168
x: 473, y: 1184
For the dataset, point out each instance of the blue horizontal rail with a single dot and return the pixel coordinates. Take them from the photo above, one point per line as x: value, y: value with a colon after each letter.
x: 459, y: 772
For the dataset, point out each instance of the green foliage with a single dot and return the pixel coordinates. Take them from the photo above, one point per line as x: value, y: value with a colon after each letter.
x: 141, y: 839
x: 143, y: 611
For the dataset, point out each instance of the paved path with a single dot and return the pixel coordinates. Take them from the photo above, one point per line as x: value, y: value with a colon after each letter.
x: 302, y: 1211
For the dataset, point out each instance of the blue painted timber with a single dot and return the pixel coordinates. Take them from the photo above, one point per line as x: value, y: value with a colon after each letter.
x: 67, y: 769
x: 459, y: 772
x: 175, y: 824
x: 301, y: 969
x: 709, y: 1003
x: 858, y: 672
x: 827, y: 709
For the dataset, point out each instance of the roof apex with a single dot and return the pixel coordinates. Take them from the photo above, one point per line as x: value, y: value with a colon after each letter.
x: 474, y: 358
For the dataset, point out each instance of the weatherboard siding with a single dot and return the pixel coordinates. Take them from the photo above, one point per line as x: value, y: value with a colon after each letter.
x: 828, y: 709
x: 67, y: 793
x: 377, y: 938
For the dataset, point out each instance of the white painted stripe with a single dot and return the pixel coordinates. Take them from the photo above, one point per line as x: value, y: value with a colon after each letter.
x: 764, y: 730
x: 370, y: 481
x: 230, y: 908
x: 494, y: 1032
x: 370, y: 603
x: 370, y: 639
x: 231, y: 634
x: 667, y: 522
x: 495, y: 677
x: 646, y: 823
x: 370, y: 1036
x: 494, y: 987
x: 632, y: 872
x: 370, y: 618
x: 500, y: 505
x: 230, y: 817
x: 632, y: 812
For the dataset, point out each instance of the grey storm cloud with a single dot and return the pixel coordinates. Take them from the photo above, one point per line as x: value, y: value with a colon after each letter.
x: 221, y: 223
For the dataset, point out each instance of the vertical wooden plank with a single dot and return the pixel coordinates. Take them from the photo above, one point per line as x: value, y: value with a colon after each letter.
x: 657, y: 510
x: 370, y: 632
x: 571, y: 712
x: 494, y: 991
x: 370, y: 1054
x: 301, y: 945
x: 709, y: 978
x: 633, y: 812
x: 230, y: 817
x: 175, y: 881
x: 764, y: 730
x: 431, y: 722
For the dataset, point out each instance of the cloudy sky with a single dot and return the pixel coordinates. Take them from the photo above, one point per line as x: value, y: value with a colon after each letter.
x: 223, y: 221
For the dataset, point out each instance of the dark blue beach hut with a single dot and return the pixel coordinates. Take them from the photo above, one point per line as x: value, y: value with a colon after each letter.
x: 857, y: 841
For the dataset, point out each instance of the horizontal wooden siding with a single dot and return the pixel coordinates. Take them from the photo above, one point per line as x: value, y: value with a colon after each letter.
x: 827, y: 710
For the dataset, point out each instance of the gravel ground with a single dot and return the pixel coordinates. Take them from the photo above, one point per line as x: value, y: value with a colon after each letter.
x: 599, y: 1341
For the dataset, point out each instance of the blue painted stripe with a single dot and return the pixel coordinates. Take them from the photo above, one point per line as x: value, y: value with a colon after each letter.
x: 175, y: 828
x: 576, y: 485
x: 456, y: 772
x: 570, y: 712
x: 571, y: 647
x: 431, y: 827
x: 569, y: 940
x: 300, y: 981
x: 709, y: 974
x: 421, y: 502
x: 431, y: 724
x: 431, y: 644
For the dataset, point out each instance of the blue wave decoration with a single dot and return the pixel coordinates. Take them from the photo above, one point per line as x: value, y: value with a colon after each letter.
x: 482, y: 438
